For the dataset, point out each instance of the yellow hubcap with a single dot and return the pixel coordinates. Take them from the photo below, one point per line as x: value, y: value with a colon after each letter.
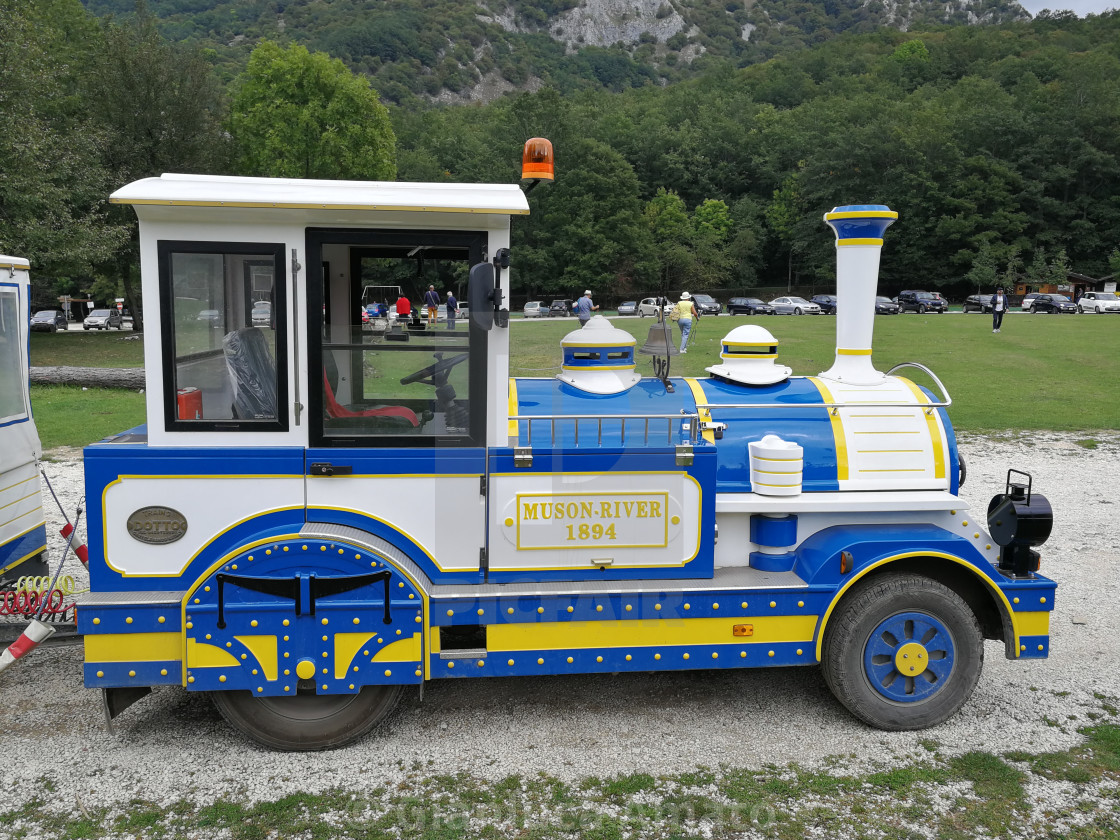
x: 305, y: 669
x: 911, y: 659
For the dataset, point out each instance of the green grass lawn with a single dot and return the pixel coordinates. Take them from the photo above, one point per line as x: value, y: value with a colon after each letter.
x: 1041, y: 372
x: 96, y: 348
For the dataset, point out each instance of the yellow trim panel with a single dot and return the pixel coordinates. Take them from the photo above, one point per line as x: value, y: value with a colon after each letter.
x: 134, y: 647
x: 648, y: 632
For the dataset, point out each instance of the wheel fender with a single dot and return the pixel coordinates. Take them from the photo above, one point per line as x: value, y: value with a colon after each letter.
x: 918, y: 548
x: 256, y: 619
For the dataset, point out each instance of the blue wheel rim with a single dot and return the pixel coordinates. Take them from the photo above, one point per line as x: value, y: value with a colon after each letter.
x: 909, y: 657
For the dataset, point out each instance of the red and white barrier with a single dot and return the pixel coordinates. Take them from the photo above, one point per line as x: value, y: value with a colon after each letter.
x: 79, y: 546
x: 36, y: 632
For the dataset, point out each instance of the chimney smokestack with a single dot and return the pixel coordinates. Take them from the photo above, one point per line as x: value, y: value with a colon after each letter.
x: 859, y: 239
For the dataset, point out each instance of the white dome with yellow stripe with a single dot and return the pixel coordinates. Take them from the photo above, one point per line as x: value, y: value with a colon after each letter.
x: 599, y: 358
x: 750, y: 356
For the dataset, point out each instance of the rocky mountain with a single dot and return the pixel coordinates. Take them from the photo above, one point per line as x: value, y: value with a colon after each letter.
x: 455, y: 51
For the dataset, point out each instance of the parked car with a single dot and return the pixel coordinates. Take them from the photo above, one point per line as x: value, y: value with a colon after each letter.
x: 1028, y: 301
x: 749, y: 306
x: 915, y: 300
x: 48, y: 320
x: 886, y: 306
x: 628, y: 307
x: 707, y: 305
x: 559, y: 308
x: 827, y: 303
x: 648, y: 306
x: 212, y: 316
x: 793, y: 305
x: 1055, y: 304
x: 534, y: 309
x: 262, y: 314
x: 102, y: 319
x: 1099, y: 302
x: 977, y: 303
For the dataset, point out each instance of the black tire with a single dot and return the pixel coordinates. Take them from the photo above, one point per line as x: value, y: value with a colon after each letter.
x: 641, y: 313
x: 1080, y: 311
x: 922, y: 309
x: 797, y: 310
x: 871, y: 686
x: 307, y: 722
x: 85, y: 328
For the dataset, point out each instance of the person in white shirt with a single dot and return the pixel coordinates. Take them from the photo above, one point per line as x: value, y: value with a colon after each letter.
x: 999, y: 306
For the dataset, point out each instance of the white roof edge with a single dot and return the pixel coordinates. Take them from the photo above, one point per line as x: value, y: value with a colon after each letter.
x: 239, y: 191
x: 19, y: 262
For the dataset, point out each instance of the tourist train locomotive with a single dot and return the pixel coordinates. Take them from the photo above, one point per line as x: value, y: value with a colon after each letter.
x: 319, y: 513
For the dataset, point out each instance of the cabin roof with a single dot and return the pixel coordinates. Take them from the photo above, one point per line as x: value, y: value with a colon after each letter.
x: 13, y: 262
x: 290, y: 193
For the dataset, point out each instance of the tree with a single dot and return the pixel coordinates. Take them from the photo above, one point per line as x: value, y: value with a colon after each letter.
x: 711, y: 230
x: 53, y: 183
x: 1114, y: 262
x: 670, y: 229
x: 983, y: 271
x: 161, y: 109
x: 1012, y: 269
x: 299, y: 114
x: 783, y: 215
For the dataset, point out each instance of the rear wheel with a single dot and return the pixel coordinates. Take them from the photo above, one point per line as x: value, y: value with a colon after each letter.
x: 307, y: 721
x: 902, y: 652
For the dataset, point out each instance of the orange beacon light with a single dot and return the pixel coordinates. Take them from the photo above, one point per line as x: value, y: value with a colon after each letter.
x: 536, y: 160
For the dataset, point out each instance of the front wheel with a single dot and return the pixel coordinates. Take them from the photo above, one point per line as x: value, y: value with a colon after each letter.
x: 921, y: 310
x: 902, y: 652
x: 641, y: 313
x: 307, y: 722
x: 797, y: 310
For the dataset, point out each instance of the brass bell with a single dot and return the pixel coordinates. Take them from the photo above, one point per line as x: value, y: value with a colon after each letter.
x: 660, y: 342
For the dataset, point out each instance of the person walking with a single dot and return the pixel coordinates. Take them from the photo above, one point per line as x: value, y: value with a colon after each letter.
x: 685, y: 312
x: 404, y: 309
x: 452, y: 310
x: 431, y: 300
x: 584, y: 308
x: 999, y: 306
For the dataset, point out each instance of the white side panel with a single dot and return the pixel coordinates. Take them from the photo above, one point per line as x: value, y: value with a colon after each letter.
x: 444, y: 515
x: 21, y: 502
x: 581, y: 521
x: 210, y: 504
x: 892, y: 447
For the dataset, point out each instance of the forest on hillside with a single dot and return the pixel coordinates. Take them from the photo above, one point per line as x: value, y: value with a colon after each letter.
x: 416, y: 50
x: 998, y: 146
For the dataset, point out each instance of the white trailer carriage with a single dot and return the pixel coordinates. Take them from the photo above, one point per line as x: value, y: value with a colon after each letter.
x: 23, y: 530
x: 316, y: 515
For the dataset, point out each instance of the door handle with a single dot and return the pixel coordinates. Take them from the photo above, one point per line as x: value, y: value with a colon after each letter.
x: 322, y: 468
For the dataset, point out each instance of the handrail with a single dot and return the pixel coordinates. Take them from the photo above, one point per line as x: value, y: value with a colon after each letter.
x: 944, y: 393
x: 692, y: 426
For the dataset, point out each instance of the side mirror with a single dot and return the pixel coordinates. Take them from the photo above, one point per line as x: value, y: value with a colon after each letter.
x: 480, y: 293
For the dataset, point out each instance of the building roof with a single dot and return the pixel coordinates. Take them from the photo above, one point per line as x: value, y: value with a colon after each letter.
x: 290, y: 193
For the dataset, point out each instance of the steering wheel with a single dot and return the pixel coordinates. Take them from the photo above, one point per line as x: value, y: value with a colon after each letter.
x: 439, y: 368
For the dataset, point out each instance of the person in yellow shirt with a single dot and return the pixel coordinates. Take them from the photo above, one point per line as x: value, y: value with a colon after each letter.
x: 686, y: 311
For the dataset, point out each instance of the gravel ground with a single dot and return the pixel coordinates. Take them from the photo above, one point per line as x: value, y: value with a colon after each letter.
x: 174, y: 746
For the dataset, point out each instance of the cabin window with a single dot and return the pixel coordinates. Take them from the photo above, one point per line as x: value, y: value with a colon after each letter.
x: 387, y: 377
x: 224, y: 333
x: 13, y: 378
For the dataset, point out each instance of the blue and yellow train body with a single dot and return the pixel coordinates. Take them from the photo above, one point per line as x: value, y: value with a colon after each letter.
x: 347, y: 534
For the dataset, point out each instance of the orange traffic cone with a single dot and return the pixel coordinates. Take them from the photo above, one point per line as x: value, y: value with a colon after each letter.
x: 36, y: 632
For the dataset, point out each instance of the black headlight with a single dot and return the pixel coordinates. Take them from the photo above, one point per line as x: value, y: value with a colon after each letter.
x: 1017, y: 520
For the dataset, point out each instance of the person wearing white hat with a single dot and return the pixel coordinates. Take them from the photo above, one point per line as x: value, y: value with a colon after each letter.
x: 685, y: 311
x: 584, y: 308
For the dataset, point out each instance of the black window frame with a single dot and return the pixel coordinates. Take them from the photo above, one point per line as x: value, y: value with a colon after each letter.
x: 164, y: 249
x: 475, y: 241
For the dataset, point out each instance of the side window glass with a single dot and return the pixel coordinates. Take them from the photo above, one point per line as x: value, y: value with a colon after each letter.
x: 12, y: 381
x: 224, y: 346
